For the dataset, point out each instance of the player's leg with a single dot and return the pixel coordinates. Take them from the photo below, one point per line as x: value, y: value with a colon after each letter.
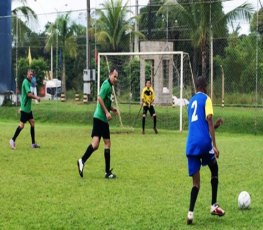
x: 93, y: 146
x: 107, y: 157
x: 23, y: 120
x: 96, y: 136
x: 153, y: 114
x: 145, y: 108
x: 32, y: 130
x: 215, y: 208
x: 194, y: 165
x: 107, y: 153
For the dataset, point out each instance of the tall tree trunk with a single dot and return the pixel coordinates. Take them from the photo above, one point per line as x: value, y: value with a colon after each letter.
x: 63, y: 73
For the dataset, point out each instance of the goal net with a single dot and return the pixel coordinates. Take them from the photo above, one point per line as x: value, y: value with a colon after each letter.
x: 172, y: 81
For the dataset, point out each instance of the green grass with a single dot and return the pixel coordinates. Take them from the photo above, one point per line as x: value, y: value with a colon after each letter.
x: 247, y: 120
x: 41, y: 188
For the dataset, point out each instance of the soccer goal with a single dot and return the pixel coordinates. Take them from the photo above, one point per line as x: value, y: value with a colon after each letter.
x: 172, y: 79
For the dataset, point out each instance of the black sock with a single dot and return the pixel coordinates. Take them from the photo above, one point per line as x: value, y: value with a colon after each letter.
x: 87, y: 154
x: 32, y: 132
x: 193, y: 197
x: 18, y: 130
x: 214, y: 184
x: 143, y: 123
x: 107, y: 160
x: 154, y: 121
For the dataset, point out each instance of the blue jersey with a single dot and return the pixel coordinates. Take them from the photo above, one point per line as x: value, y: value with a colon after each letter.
x: 199, y: 140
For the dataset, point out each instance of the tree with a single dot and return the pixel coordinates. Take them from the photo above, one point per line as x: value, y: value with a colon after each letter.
x: 113, y: 30
x: 22, y: 16
x: 62, y: 32
x: 205, y: 18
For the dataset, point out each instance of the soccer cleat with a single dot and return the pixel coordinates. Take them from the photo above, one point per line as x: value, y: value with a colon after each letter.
x: 155, y: 130
x: 143, y: 132
x: 190, y: 217
x: 80, y: 167
x: 217, y: 210
x: 35, y: 146
x: 110, y: 175
x: 12, y: 144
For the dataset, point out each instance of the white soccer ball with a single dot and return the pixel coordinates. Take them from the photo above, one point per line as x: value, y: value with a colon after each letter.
x: 244, y: 200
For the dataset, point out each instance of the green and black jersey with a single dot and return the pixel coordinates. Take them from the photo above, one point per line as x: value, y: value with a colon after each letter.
x: 25, y: 100
x: 105, y: 95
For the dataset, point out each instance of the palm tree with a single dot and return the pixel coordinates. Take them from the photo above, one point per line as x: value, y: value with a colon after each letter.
x: 22, y: 16
x: 113, y: 30
x: 62, y: 32
x: 204, y: 17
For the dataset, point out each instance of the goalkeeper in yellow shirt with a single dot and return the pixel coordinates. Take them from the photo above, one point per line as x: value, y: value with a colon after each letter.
x: 147, y: 97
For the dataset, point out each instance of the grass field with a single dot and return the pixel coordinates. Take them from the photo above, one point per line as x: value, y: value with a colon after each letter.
x: 41, y: 188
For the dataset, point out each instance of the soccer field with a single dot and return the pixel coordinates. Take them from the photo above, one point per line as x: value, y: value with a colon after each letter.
x: 41, y: 188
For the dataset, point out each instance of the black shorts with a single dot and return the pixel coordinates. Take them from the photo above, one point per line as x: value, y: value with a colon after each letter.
x: 100, y: 129
x: 24, y: 117
x: 151, y: 110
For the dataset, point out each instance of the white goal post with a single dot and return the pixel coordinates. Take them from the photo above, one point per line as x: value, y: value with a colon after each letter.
x: 140, y: 55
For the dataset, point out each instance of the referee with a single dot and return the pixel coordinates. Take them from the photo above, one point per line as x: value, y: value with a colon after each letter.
x: 101, y: 126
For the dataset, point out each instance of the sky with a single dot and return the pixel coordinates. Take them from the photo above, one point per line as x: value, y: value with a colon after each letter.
x: 46, y: 9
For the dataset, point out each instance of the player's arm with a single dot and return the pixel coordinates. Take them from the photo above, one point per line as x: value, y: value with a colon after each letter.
x: 143, y: 97
x: 31, y: 95
x: 114, y: 110
x: 218, y: 122
x: 107, y: 113
x: 212, y: 133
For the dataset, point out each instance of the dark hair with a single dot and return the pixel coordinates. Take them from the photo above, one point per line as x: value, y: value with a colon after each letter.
x: 112, y: 69
x: 147, y: 80
x: 200, y: 82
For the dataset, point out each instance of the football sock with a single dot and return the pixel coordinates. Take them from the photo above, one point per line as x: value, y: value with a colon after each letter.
x: 18, y: 130
x: 193, y: 197
x: 107, y: 159
x: 214, y: 184
x: 143, y: 123
x: 154, y: 121
x: 32, y: 132
x: 87, y: 154
x: 214, y: 180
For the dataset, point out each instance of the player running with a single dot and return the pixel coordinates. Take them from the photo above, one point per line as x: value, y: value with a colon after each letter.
x: 147, y: 97
x: 201, y: 148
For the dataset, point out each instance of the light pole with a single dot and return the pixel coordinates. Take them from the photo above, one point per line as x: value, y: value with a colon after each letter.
x: 87, y: 37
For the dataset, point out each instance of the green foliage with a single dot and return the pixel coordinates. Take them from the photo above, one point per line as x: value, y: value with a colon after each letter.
x: 239, y: 64
x: 23, y: 66
x: 44, y: 190
x: 39, y: 66
x: 113, y: 29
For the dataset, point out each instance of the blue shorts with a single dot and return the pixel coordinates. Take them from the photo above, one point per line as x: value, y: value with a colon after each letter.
x: 195, y: 162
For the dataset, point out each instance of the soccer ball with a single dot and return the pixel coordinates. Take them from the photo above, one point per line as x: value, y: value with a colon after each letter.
x: 244, y: 200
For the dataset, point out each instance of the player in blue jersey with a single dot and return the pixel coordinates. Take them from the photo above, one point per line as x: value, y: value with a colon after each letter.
x: 201, y: 148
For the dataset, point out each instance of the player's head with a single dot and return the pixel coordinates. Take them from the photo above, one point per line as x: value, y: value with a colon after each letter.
x: 148, y: 83
x: 113, y: 76
x: 29, y: 74
x: 201, y: 84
